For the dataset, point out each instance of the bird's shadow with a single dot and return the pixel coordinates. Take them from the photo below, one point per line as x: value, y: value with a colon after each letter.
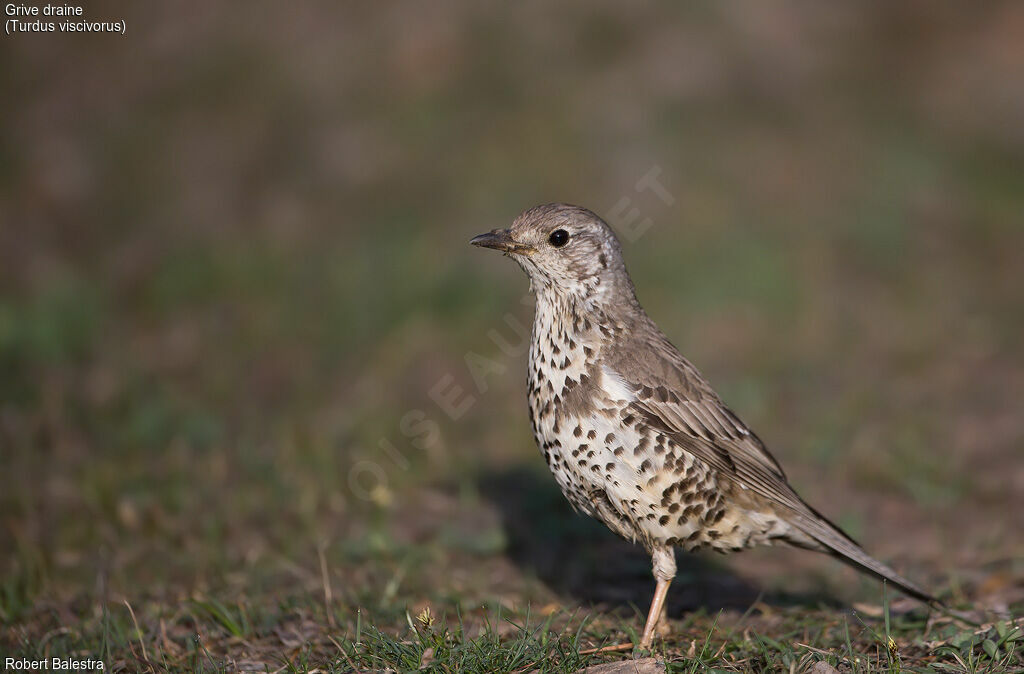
x: 578, y: 557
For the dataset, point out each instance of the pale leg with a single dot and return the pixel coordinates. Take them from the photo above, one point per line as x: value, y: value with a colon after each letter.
x: 652, y: 616
x: 663, y: 561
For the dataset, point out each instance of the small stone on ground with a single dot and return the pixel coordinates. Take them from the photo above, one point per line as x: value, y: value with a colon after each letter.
x: 642, y: 666
x: 822, y: 667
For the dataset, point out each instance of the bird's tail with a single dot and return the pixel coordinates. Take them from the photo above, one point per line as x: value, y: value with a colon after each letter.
x: 834, y: 541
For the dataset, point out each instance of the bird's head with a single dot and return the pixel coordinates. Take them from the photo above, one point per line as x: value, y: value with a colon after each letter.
x: 564, y: 249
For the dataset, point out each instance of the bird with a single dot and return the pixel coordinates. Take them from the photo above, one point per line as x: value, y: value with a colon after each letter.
x: 634, y: 435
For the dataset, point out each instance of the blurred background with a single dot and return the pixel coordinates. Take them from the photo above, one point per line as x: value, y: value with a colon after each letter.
x: 236, y: 295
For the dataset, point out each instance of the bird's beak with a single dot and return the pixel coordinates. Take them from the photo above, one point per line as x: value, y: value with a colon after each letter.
x: 501, y: 239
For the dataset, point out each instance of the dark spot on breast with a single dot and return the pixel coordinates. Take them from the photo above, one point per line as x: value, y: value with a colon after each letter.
x: 663, y: 520
x: 609, y: 439
x: 603, y: 259
x: 579, y: 401
x: 578, y: 431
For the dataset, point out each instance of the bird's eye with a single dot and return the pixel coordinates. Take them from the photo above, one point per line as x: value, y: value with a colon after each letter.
x: 559, y: 238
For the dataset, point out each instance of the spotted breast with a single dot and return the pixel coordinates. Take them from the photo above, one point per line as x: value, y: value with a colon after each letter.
x: 608, y: 461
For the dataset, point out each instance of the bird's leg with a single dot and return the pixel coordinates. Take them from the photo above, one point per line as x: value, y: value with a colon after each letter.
x: 663, y: 561
x: 663, y: 629
x: 652, y: 616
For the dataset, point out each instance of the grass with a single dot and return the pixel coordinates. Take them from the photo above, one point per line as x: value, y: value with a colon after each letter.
x: 206, y: 635
x: 376, y: 602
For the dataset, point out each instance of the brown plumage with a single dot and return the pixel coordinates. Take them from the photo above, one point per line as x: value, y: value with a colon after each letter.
x: 632, y: 432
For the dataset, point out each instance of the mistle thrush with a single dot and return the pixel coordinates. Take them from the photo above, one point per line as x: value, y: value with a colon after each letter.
x: 633, y: 433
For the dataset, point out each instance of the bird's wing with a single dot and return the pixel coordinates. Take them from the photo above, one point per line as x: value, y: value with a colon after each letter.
x: 670, y: 395
x: 711, y: 432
